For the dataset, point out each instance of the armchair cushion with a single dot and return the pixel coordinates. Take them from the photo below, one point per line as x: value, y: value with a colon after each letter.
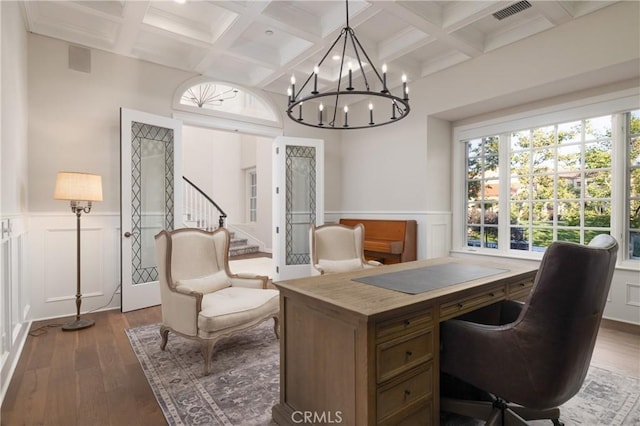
x: 331, y: 266
x: 233, y: 306
x: 206, y: 284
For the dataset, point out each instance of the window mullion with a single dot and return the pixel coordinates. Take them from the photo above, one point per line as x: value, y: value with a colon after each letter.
x: 504, y: 231
x: 619, y: 179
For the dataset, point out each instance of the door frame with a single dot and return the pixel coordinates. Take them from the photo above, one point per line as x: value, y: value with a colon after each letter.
x: 282, y: 271
x: 144, y: 294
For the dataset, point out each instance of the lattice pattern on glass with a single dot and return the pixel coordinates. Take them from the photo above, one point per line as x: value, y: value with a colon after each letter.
x: 560, y: 185
x: 300, y: 200
x: 151, y: 148
x: 482, y: 192
x: 633, y: 183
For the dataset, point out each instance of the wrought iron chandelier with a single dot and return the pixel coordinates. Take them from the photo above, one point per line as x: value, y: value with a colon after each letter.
x: 383, y: 106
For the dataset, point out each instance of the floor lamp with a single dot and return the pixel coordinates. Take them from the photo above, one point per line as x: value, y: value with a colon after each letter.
x: 81, y: 189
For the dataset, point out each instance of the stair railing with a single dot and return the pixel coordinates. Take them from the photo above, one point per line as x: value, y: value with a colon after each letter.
x: 201, y: 209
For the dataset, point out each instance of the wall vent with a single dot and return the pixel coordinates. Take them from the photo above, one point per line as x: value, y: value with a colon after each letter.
x: 512, y: 10
x: 79, y: 58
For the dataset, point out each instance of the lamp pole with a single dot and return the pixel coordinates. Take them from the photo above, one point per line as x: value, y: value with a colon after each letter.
x: 78, y: 323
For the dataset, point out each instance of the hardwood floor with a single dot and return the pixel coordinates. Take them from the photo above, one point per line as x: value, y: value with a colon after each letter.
x: 92, y: 377
x: 89, y: 377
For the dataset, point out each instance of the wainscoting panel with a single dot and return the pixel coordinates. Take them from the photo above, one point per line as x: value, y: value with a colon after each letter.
x: 14, y: 296
x: 633, y: 294
x: 52, y: 255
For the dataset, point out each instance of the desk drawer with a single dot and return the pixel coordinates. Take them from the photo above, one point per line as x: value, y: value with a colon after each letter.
x: 403, y: 395
x: 402, y: 354
x: 423, y: 416
x: 404, y: 324
x: 471, y: 303
x: 520, y: 290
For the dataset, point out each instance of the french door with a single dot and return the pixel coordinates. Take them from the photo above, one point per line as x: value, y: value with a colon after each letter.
x: 298, y: 202
x: 151, y: 199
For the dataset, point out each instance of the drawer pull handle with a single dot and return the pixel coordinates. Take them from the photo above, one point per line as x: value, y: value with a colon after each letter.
x: 407, y: 323
x: 522, y: 284
x: 460, y: 305
x: 407, y: 393
x: 409, y: 353
x: 491, y: 294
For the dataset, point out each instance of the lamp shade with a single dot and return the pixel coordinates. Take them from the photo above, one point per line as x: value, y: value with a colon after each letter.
x: 78, y: 187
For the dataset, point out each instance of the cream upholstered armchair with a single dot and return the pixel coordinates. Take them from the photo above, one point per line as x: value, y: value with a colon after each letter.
x: 338, y: 248
x: 201, y: 298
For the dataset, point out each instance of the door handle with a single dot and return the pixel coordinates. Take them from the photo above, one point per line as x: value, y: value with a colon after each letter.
x: 129, y: 234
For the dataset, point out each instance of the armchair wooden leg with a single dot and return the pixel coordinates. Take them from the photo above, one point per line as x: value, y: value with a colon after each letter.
x: 164, y: 333
x: 207, y: 348
x: 276, y: 325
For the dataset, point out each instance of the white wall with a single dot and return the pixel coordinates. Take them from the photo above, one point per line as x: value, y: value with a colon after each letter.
x: 15, y: 306
x: 389, y: 167
x: 212, y: 160
x: 216, y: 162
x: 73, y: 124
x: 264, y: 223
x: 395, y: 170
x: 14, y: 112
x: 74, y: 116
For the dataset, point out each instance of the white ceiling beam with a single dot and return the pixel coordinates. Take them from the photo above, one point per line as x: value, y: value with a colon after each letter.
x: 431, y: 28
x: 555, y: 12
x: 132, y: 19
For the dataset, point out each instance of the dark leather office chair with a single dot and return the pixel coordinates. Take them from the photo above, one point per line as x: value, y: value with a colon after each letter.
x: 530, y: 358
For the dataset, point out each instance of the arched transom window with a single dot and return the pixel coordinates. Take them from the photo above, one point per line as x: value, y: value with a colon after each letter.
x: 224, y: 97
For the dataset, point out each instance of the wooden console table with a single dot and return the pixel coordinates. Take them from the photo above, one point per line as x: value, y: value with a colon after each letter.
x: 356, y: 354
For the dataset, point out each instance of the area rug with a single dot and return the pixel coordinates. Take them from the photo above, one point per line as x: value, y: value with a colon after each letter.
x: 244, y: 383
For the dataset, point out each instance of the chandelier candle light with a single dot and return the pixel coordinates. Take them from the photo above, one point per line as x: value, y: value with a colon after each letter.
x: 346, y: 98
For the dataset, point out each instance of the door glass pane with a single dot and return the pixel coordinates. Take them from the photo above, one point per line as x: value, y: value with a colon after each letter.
x: 151, y: 195
x: 300, y: 202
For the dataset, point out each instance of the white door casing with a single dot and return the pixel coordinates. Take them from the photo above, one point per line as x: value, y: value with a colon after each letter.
x: 151, y: 199
x: 298, y: 202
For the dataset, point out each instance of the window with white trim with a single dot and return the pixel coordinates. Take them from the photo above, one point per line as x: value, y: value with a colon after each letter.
x: 560, y: 183
x: 216, y: 96
x: 482, y: 185
x: 568, y: 180
x: 252, y: 195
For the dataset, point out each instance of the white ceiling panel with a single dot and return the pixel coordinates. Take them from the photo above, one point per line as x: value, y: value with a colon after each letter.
x: 201, y: 20
x: 162, y: 49
x: 261, y: 43
x: 72, y: 22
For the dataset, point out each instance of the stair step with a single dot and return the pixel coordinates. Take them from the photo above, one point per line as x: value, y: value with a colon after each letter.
x: 235, y: 242
x: 243, y: 249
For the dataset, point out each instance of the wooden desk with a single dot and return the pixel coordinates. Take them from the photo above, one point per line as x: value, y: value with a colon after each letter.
x: 357, y: 354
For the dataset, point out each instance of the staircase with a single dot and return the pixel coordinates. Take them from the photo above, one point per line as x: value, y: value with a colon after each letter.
x: 240, y: 246
x: 202, y: 212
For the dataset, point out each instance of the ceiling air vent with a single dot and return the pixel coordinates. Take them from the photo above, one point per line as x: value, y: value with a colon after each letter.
x: 512, y: 10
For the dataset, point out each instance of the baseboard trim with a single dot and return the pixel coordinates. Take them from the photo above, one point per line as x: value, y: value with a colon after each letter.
x: 627, y: 327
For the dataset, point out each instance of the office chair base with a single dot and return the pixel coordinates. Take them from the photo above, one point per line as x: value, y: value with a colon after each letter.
x: 499, y: 412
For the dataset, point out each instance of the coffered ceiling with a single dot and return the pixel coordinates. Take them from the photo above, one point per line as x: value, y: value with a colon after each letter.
x: 261, y: 43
